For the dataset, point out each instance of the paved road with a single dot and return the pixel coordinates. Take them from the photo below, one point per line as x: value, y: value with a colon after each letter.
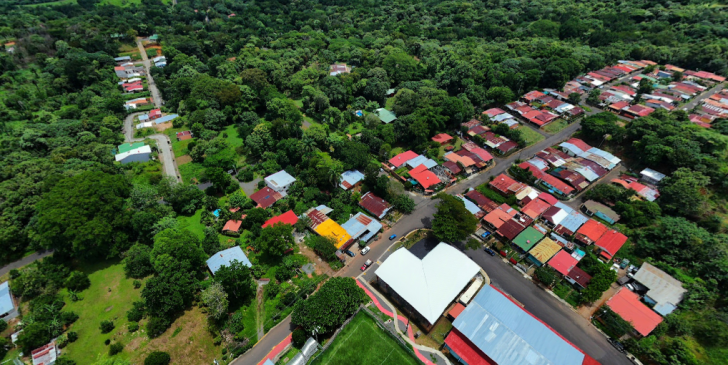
x: 24, y: 261
x: 267, y: 343
x: 692, y: 104
x: 548, y: 309
x: 166, y: 154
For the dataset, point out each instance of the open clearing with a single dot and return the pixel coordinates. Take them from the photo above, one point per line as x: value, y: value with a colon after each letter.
x: 363, y: 342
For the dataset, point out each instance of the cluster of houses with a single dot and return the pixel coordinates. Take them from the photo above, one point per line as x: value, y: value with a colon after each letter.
x: 570, y: 167
x: 712, y: 108
x: 426, y: 175
x: 498, y: 144
x: 538, y: 108
x: 156, y: 117
x: 136, y: 103
x: 488, y: 326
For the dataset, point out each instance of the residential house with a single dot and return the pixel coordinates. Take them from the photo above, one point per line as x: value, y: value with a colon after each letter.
x: 324, y: 226
x: 232, y: 226
x: 543, y: 251
x: 453, y: 167
x: 556, y: 186
x: 492, y: 112
x: 651, y: 176
x: 531, y: 96
x: 166, y: 119
x: 351, y: 179
x: 385, y: 115
x: 402, y: 158
x: 471, y: 207
x: 338, y: 69
x: 280, y: 181
x: 499, y: 216
x: 627, y: 305
x: 226, y: 258
x: 505, y: 185
x: 609, y: 243
x: 424, y: 177
x: 636, y: 111
x: 592, y: 208
x: 375, y: 205
x: 442, y: 138
x: 665, y: 292
x: 288, y: 217
x: 362, y: 227
x: 563, y: 262
x: 45, y: 355
x: 578, y: 278
x: 481, y: 200
x: 424, y: 288
x: 590, y: 232
x: 568, y: 226
x: 494, y: 329
x: 122, y: 60
x: 266, y: 197
x: 535, y: 208
x: 184, y: 135
x: 528, y: 238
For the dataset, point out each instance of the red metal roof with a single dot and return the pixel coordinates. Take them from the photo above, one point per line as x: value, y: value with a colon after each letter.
x: 627, y: 304
x: 502, y: 183
x: 425, y: 177
x: 232, y: 226
x: 533, y: 95
x: 456, y: 310
x: 511, y: 228
x: 610, y: 242
x: 286, y: 218
x: 619, y: 105
x: 535, y: 208
x: 402, y: 158
x: 581, y: 277
x: 492, y: 112
x: 481, y: 200
x: 548, y: 198
x: 452, y: 166
x: 483, y: 154
x: 374, y: 204
x: 592, y: 230
x: 507, y: 146
x: 563, y: 262
x: 557, y: 184
x: 442, y: 138
x: 265, y: 197
x: 579, y: 143
x: 466, y: 350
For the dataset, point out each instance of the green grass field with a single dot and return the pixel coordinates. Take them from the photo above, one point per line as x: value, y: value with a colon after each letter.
x: 192, y: 223
x: 555, y: 127
x: 363, y: 342
x: 532, y: 137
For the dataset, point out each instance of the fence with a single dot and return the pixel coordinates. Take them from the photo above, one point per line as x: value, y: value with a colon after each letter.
x: 379, y: 323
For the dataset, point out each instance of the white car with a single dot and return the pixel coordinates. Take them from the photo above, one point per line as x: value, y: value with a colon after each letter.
x: 365, y: 250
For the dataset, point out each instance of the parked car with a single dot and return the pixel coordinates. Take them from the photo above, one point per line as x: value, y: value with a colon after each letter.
x: 350, y: 253
x: 392, y: 237
x: 489, y: 251
x: 630, y: 287
x: 617, y: 345
x: 485, y: 235
x: 366, y: 265
x: 365, y: 250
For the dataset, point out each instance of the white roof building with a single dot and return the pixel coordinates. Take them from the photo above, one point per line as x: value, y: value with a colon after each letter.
x: 652, y: 176
x: 141, y: 154
x: 431, y: 284
x: 280, y: 181
x: 145, y: 125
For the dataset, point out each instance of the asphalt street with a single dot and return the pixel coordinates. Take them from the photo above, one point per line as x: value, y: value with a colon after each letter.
x: 266, y: 344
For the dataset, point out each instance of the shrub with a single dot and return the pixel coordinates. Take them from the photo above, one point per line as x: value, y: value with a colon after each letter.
x: 106, y: 326
x: 62, y: 341
x: 77, y: 281
x: 246, y: 175
x: 157, y: 326
x: 69, y: 317
x: 64, y: 361
x: 72, y: 336
x: 261, y: 184
x: 3, y: 326
x: 137, y: 284
x: 133, y: 326
x: 136, y: 313
x: 115, y: 348
x: 299, y: 338
x: 107, y: 342
x: 157, y: 358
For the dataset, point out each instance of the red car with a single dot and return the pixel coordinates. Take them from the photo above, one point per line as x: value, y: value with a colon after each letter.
x: 366, y: 265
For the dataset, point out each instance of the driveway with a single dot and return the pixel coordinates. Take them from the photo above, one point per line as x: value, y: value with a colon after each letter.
x: 24, y: 261
x: 156, y: 96
x: 249, y: 187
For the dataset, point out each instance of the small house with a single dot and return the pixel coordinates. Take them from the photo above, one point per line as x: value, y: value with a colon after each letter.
x: 375, y: 205
x: 280, y: 181
x: 226, y: 257
x: 351, y: 179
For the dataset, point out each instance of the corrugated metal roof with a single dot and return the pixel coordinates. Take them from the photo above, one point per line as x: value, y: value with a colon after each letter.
x: 166, y: 118
x: 576, y: 151
x: 664, y: 289
x: 279, y: 180
x: 470, y: 206
x: 509, y: 335
x: 613, y: 160
x: 375, y: 205
x: 360, y: 224
x: 545, y: 250
x: 431, y: 284
x: 6, y: 302
x: 652, y: 174
x: 225, y: 257
x: 350, y: 178
x: 421, y: 160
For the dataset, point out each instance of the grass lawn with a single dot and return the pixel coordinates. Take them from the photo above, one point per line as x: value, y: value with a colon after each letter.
x: 192, y: 223
x: 109, y: 298
x: 442, y: 327
x: 190, y: 171
x: 288, y: 356
x: 532, y: 137
x: 298, y: 103
x: 363, y: 342
x: 555, y: 127
x: 354, y: 128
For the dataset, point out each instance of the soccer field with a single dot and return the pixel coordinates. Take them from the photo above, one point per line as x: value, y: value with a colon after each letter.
x: 362, y: 342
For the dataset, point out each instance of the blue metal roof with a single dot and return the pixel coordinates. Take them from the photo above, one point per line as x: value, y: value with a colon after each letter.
x: 573, y: 221
x: 470, y: 206
x: 6, y: 302
x: 358, y: 230
x: 166, y: 118
x: 225, y: 257
x: 352, y: 177
x: 421, y: 160
x: 509, y: 335
x: 564, y: 207
x: 576, y: 151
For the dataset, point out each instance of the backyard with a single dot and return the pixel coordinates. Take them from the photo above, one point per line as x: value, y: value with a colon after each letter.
x: 555, y: 127
x: 363, y: 342
x: 109, y: 298
x: 530, y: 136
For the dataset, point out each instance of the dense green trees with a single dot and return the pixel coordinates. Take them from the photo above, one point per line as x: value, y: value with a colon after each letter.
x: 328, y: 308
x: 452, y: 222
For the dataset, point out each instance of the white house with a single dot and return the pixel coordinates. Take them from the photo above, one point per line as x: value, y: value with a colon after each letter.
x: 280, y: 181
x: 141, y: 154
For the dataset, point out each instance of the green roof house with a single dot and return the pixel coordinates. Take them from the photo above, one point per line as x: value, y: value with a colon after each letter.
x: 126, y: 147
x: 154, y: 37
x: 528, y: 238
x: 385, y: 115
